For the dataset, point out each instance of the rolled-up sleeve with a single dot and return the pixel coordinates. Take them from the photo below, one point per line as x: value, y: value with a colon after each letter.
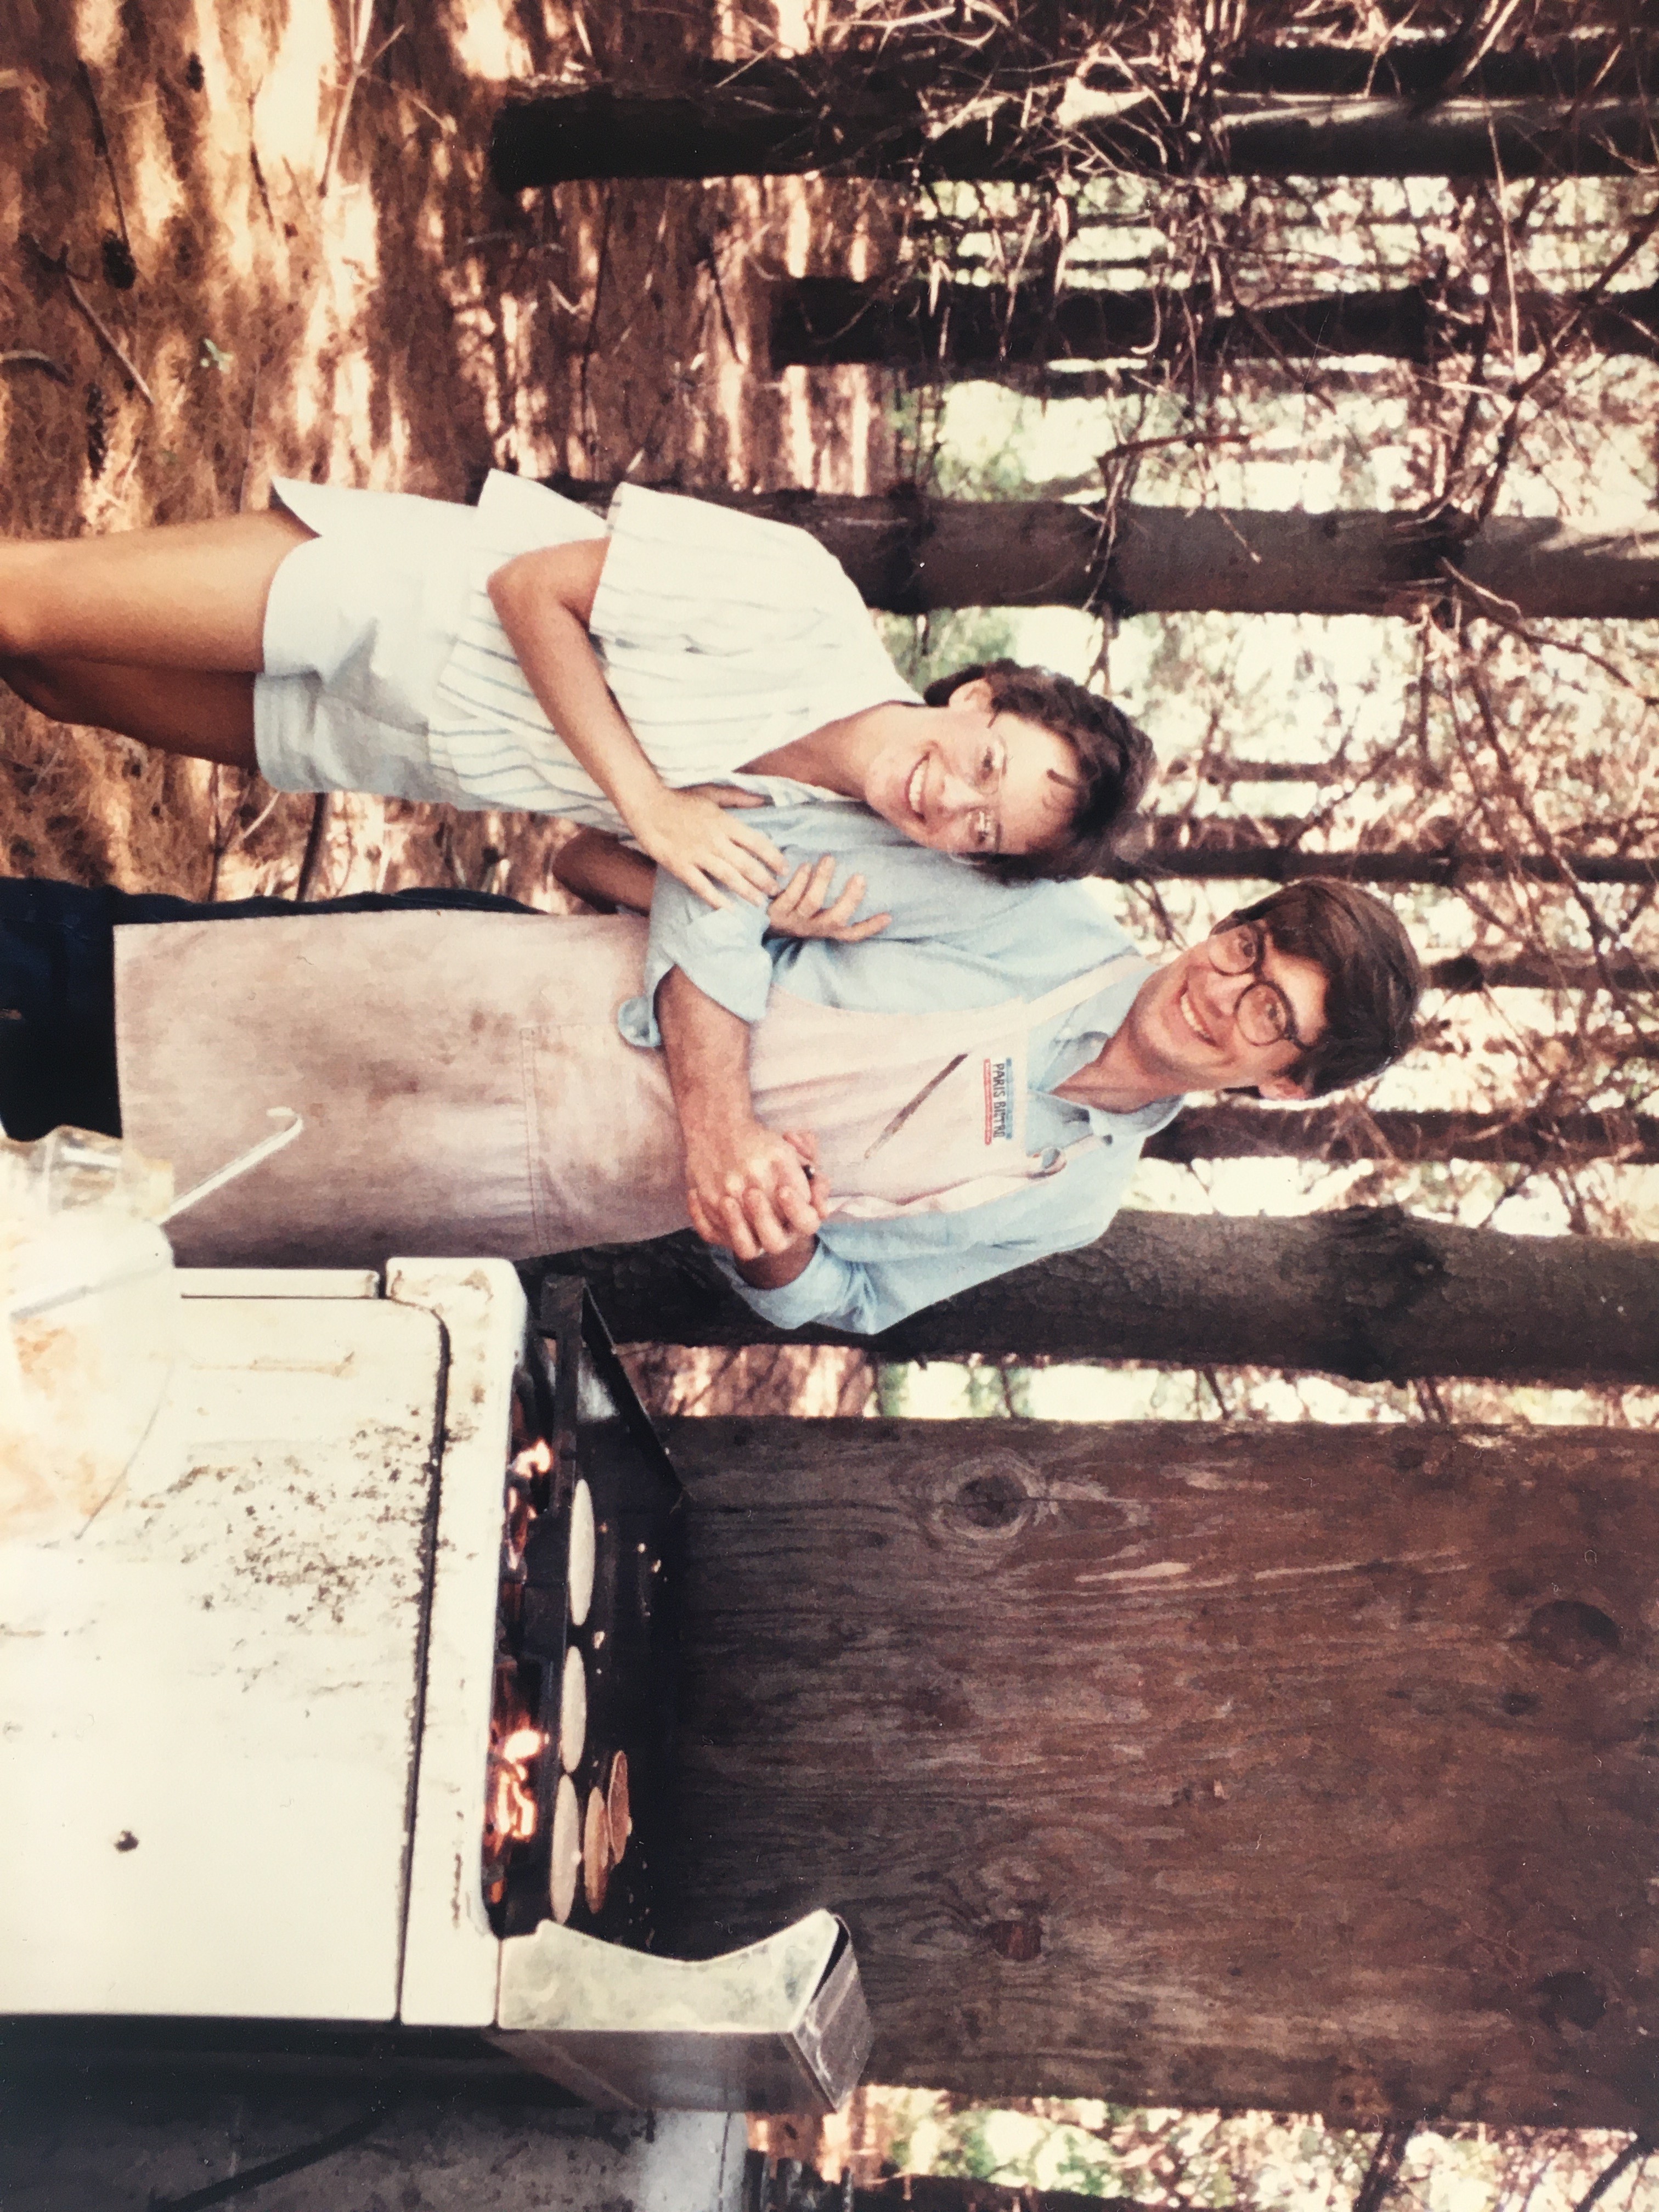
x: 828, y: 1290
x: 723, y: 950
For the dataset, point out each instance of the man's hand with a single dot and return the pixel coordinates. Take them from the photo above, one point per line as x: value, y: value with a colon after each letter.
x: 773, y: 1270
x: 798, y: 909
x: 749, y: 1188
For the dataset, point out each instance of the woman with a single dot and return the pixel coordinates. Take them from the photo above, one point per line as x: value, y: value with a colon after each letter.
x: 378, y: 642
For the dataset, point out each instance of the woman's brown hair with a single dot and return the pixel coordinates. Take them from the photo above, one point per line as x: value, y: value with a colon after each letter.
x: 1114, y: 762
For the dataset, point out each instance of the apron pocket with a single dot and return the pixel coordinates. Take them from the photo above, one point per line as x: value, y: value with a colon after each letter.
x: 605, y: 1165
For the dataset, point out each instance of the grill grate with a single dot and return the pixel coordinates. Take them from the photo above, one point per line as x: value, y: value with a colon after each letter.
x: 589, y: 1860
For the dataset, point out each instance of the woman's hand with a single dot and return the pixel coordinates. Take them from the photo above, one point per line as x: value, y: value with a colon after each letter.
x: 696, y: 840
x: 798, y: 909
x: 545, y: 600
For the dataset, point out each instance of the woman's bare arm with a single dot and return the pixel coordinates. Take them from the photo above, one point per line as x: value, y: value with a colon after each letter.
x: 802, y: 908
x: 544, y: 601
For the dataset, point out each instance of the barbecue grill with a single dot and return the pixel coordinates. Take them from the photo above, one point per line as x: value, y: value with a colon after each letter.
x: 355, y: 1704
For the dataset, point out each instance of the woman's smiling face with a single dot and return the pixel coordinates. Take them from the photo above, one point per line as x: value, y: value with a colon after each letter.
x: 964, y: 779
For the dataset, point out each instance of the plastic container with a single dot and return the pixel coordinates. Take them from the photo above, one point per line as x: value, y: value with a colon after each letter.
x: 88, y: 1322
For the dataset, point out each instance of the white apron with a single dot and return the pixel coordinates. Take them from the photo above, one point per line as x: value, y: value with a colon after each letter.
x: 465, y: 1088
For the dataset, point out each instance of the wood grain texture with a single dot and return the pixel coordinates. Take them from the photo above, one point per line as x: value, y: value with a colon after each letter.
x: 1300, y: 1767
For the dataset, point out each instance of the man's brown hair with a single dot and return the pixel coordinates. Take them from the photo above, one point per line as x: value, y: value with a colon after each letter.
x: 1114, y: 756
x: 1372, y: 977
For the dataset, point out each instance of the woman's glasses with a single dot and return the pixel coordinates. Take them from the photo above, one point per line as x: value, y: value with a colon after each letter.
x: 1264, y: 1013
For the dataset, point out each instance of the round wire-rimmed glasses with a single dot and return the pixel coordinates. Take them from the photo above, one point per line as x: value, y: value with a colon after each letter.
x: 1264, y: 1014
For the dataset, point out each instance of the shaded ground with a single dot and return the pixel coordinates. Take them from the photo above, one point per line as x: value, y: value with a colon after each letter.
x: 813, y: 1381
x: 354, y: 301
x: 389, y: 320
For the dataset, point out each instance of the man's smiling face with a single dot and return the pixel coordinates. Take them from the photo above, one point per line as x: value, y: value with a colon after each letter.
x: 1184, y: 1024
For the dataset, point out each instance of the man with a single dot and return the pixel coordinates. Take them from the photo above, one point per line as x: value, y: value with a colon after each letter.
x: 1311, y: 988
x: 972, y: 1086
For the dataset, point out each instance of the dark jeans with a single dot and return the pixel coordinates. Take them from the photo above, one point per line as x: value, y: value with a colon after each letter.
x: 58, y: 987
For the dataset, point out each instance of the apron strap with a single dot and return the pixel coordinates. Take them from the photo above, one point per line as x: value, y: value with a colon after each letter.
x: 1060, y: 1000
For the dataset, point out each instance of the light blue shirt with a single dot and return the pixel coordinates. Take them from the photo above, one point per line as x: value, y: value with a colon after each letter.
x: 958, y: 939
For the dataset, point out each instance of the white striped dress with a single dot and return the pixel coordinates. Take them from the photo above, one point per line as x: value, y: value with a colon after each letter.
x: 722, y: 637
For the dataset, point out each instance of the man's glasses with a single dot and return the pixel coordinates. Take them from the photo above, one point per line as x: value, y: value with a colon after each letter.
x: 1264, y: 1013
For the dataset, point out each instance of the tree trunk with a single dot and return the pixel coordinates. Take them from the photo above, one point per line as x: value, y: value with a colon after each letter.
x: 1296, y: 1767
x: 1423, y: 69
x: 898, y: 119
x: 967, y: 329
x: 1345, y: 1131
x: 1540, y: 971
x: 1370, y: 1292
x: 977, y: 329
x: 790, y: 2187
x: 1232, y: 845
x: 1232, y: 848
x: 914, y: 555
x: 1225, y: 771
x: 1071, y: 379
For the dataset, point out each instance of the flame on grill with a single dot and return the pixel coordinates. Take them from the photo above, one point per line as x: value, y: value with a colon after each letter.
x: 510, y: 1809
x: 515, y: 1744
x: 513, y: 1811
x: 535, y: 1459
x: 521, y: 1517
x: 519, y: 1749
x: 512, y: 1805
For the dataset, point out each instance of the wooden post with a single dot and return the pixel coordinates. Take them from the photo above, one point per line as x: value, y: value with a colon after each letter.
x: 1311, y: 1768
